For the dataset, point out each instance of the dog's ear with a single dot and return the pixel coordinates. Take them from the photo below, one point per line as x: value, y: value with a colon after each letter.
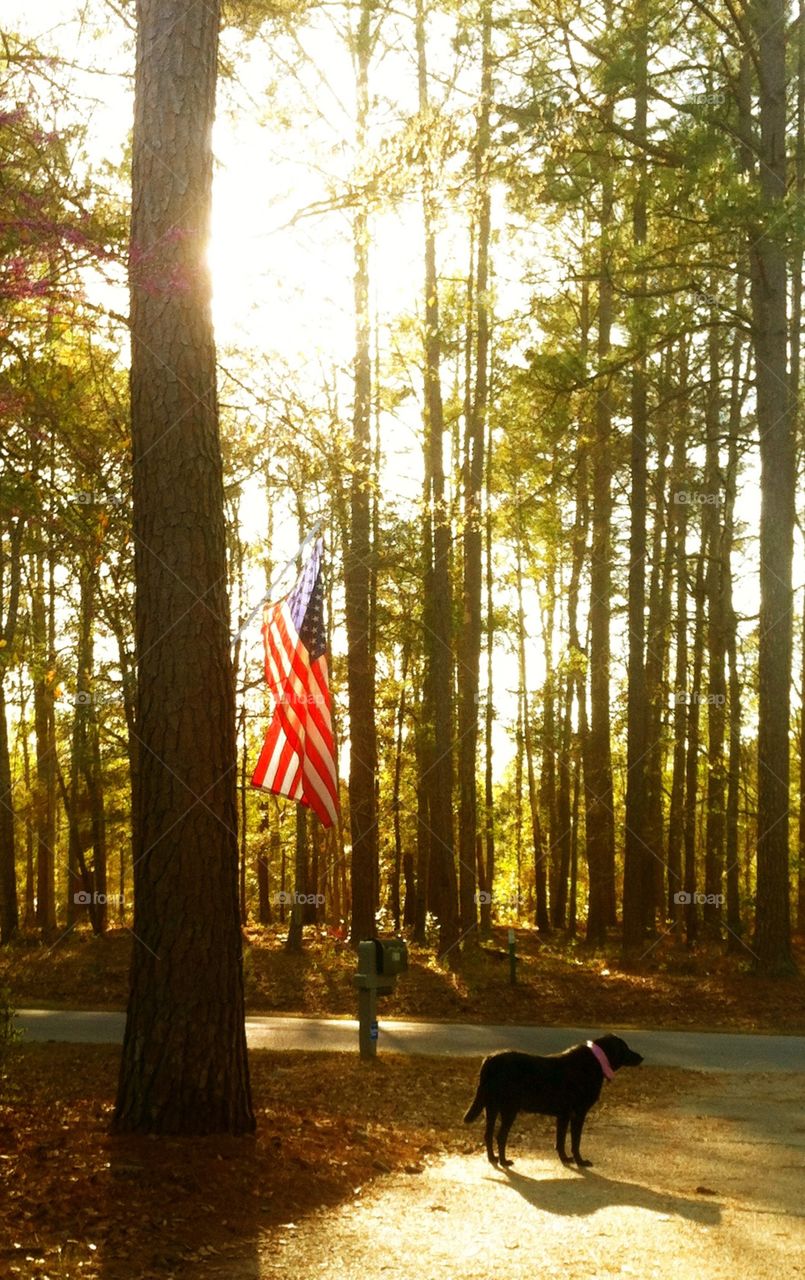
x: 616, y: 1050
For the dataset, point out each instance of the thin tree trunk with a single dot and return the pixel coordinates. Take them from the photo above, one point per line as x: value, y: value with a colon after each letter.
x: 395, y: 797
x: 540, y: 866
x: 30, y: 872
x: 692, y: 759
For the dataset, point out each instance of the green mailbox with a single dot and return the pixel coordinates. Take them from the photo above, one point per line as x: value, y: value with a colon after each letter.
x: 379, y: 964
x: 393, y: 958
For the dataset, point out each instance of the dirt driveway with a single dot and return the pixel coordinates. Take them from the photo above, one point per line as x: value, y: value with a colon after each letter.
x: 709, y: 1186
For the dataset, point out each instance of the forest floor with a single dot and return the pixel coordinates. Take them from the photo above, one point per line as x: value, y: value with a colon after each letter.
x: 366, y: 1170
x: 558, y: 982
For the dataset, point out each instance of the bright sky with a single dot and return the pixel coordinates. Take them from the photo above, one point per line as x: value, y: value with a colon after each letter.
x: 282, y: 287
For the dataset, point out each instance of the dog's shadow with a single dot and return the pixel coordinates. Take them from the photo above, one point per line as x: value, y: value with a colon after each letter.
x: 591, y: 1192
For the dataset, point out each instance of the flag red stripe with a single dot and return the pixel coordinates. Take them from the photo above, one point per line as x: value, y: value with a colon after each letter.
x: 298, y: 756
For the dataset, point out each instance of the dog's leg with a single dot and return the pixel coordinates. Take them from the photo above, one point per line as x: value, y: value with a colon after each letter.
x: 507, y: 1119
x: 489, y: 1132
x: 562, y: 1121
x: 576, y: 1126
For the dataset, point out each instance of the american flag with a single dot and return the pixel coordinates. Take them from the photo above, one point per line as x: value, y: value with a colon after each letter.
x: 298, y: 756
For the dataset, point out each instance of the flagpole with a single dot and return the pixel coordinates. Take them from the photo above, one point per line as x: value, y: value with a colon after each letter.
x: 277, y: 579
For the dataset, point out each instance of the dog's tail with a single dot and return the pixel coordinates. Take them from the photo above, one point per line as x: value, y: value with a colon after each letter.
x: 477, y: 1105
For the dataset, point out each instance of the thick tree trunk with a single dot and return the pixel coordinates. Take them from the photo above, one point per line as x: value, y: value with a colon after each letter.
x: 45, y: 728
x: 438, y: 614
x: 395, y: 798
x: 9, y: 918
x: 567, y: 808
x: 489, y: 709
x: 357, y: 566
x: 767, y: 258
x: 676, y: 811
x: 636, y: 866
x: 734, y: 922
x: 30, y: 865
x: 549, y: 745
x: 801, y: 829
x: 184, y: 1067
x: 10, y: 582
x: 715, y: 586
x: 795, y: 371
x: 423, y: 843
x: 598, y: 794
x: 469, y: 646
x: 659, y: 614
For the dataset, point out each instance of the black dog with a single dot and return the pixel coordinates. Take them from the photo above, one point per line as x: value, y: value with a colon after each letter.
x: 564, y: 1085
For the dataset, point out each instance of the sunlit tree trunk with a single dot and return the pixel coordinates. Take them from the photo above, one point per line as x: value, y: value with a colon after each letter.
x: 469, y: 645
x: 184, y: 1066
x: 598, y: 796
x: 358, y: 557
x: 395, y: 796
x: 693, y: 695
x: 489, y: 709
x: 636, y: 865
x: 538, y: 842
x: 767, y: 259
x: 438, y: 595
x: 715, y: 587
x: 10, y: 583
x: 45, y: 729
x: 656, y: 661
x: 676, y: 810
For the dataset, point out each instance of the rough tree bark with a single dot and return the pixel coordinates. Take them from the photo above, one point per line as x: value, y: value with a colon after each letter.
x: 10, y: 581
x: 767, y: 261
x: 184, y: 1067
x: 357, y: 561
x: 438, y: 619
x: 469, y: 644
x: 636, y: 858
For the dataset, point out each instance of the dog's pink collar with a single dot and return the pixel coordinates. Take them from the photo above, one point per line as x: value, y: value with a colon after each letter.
x: 603, y: 1060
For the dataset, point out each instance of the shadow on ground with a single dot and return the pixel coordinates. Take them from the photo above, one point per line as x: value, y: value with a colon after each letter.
x: 591, y: 1192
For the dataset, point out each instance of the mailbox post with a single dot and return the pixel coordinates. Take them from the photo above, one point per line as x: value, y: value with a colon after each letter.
x: 379, y: 963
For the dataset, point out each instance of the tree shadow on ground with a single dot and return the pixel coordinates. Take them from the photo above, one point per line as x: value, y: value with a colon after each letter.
x: 590, y: 1192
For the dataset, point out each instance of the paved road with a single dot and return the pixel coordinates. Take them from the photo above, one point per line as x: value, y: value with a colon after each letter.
x: 719, y: 1051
